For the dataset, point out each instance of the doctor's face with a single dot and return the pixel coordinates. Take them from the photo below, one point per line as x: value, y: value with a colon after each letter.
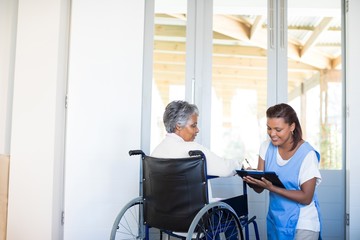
x: 279, y: 131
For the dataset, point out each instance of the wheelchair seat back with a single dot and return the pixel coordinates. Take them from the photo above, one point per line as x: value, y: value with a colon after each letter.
x: 174, y: 190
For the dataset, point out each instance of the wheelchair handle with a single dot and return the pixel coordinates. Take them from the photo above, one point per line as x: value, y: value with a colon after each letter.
x: 196, y: 153
x: 136, y: 152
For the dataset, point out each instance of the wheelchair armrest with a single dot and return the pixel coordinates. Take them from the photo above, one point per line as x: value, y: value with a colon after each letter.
x: 244, y: 221
x: 251, y: 219
x: 211, y: 177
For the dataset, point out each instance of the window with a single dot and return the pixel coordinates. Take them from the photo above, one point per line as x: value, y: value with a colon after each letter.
x: 247, y: 74
x: 239, y: 73
x: 315, y: 75
x: 169, y: 55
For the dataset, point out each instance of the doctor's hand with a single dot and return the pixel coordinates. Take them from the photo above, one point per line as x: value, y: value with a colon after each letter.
x: 258, y: 185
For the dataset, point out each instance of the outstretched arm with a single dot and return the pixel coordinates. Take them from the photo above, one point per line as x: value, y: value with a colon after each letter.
x: 303, y: 196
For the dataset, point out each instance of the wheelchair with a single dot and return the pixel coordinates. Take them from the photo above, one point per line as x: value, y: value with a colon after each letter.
x: 174, y: 199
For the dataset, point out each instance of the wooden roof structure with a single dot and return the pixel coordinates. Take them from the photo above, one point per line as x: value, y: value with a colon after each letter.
x: 240, y: 51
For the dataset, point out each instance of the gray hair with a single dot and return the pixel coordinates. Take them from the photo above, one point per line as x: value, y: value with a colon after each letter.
x: 178, y: 112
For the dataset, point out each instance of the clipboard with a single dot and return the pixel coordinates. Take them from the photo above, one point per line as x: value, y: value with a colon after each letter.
x: 258, y: 174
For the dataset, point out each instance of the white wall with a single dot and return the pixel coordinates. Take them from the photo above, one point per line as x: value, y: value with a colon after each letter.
x: 35, y: 197
x: 353, y: 120
x: 104, y: 114
x: 103, y: 118
x: 8, y: 14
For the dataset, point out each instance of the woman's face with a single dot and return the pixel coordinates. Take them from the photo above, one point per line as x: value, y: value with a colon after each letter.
x: 279, y: 131
x: 189, y: 131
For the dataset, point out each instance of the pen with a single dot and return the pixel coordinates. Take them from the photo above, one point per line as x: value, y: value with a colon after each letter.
x: 248, y: 163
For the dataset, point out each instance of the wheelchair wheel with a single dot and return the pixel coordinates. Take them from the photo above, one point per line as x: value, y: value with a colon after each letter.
x: 215, y: 221
x: 129, y: 222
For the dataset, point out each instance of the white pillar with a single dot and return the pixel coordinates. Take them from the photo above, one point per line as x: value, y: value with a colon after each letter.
x: 38, y: 119
x: 353, y: 119
x: 8, y: 15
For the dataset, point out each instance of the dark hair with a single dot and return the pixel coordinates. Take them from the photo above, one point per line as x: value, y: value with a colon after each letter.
x: 286, y: 112
x: 178, y: 112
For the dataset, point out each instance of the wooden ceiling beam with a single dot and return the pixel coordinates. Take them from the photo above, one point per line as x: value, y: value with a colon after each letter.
x: 337, y: 63
x: 231, y: 62
x: 312, y: 58
x: 222, y: 73
x: 230, y: 27
x: 314, y: 38
x: 170, y: 31
x: 256, y: 28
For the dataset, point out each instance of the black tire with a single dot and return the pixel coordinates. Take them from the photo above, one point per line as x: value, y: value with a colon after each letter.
x: 217, y: 221
x: 129, y: 222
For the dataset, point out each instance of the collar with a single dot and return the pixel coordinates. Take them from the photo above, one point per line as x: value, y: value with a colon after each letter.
x: 175, y: 136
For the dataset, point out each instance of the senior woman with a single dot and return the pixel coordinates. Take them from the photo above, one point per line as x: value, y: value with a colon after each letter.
x: 180, y: 120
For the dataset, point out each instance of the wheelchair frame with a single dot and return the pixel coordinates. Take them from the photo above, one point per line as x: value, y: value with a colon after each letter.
x: 130, y: 220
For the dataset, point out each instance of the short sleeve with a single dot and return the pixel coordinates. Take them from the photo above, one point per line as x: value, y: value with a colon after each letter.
x: 310, y: 169
x: 263, y: 148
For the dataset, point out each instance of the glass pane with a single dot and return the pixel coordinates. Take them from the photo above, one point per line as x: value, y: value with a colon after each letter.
x: 314, y: 75
x: 239, y: 78
x: 168, y: 61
